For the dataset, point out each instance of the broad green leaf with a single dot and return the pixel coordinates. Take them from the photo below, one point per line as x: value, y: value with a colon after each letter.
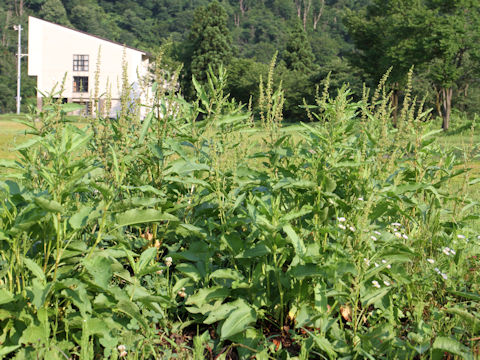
x: 474, y: 181
x: 146, y: 125
x: 69, y: 107
x: 5, y: 296
x: 79, y: 219
x: 34, y: 268
x: 237, y: 203
x: 5, y: 314
x: 33, y: 334
x: 9, y: 164
x: 430, y: 133
x: 49, y: 205
x: 221, y: 312
x: 145, y: 259
x: 229, y: 119
x: 466, y: 315
x: 136, y: 216
x: 288, y: 183
x: 100, y: 268
x: 97, y: 326
x: 238, y: 321
x: 258, y: 250
x: 324, y: 345
x: 206, y: 295
x: 182, y: 167
x: 40, y: 292
x: 129, y: 308
x: 75, y: 292
x: 28, y: 143
x: 189, y: 229
x: 302, y: 271
x: 190, y: 270
x: 5, y: 350
x: 294, y: 215
x: 373, y: 296
x: 296, y: 241
x: 145, y: 189
x: 466, y: 295
x: 226, y: 274
x: 452, y: 346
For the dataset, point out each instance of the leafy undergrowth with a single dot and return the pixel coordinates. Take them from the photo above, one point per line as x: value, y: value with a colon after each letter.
x: 222, y: 239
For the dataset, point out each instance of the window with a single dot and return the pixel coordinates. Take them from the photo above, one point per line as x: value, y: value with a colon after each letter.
x: 80, y: 84
x: 80, y: 62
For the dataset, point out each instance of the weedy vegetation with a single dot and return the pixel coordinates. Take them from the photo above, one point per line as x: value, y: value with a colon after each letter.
x: 208, y: 231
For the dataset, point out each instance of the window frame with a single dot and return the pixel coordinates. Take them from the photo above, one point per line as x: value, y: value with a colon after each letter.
x: 80, y: 86
x: 81, y: 62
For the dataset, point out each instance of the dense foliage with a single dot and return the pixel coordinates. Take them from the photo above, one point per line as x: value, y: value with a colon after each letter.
x: 235, y: 236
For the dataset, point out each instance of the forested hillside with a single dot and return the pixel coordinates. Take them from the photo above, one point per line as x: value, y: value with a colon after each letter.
x: 356, y: 40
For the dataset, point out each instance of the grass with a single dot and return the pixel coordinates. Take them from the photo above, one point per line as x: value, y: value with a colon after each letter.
x: 11, y: 135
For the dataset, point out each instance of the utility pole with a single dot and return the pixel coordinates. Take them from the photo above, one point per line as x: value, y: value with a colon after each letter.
x: 19, y: 68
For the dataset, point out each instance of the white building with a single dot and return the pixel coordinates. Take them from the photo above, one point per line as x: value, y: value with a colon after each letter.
x: 56, y: 52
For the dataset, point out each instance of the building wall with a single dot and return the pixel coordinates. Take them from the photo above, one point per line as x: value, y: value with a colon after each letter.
x: 51, y: 50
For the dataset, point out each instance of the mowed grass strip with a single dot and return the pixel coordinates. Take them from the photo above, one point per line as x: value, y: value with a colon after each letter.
x: 12, y: 134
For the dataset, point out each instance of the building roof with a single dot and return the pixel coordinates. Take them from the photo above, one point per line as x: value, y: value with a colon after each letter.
x: 95, y: 36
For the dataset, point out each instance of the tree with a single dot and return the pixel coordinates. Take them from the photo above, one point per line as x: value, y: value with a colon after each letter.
x: 54, y: 11
x: 437, y: 35
x: 388, y: 34
x: 453, y: 41
x: 298, y: 55
x: 210, y: 40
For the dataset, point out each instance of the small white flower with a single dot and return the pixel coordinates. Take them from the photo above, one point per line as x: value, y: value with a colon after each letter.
x: 396, y: 224
x: 341, y: 226
x: 461, y: 236
x: 377, y: 233
x: 366, y: 261
x: 446, y: 251
x: 168, y: 261
x: 452, y: 252
x: 384, y: 261
x: 444, y: 276
x: 341, y: 219
x: 160, y: 272
x: 395, y: 230
x: 376, y: 265
x: 478, y: 237
x: 311, y: 151
x: 373, y: 238
x: 437, y: 270
x: 376, y: 284
x: 361, y: 199
x: 405, y: 236
x: 389, y: 266
x: 431, y: 261
x: 352, y: 228
x: 386, y: 283
x: 398, y: 235
x: 123, y: 354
